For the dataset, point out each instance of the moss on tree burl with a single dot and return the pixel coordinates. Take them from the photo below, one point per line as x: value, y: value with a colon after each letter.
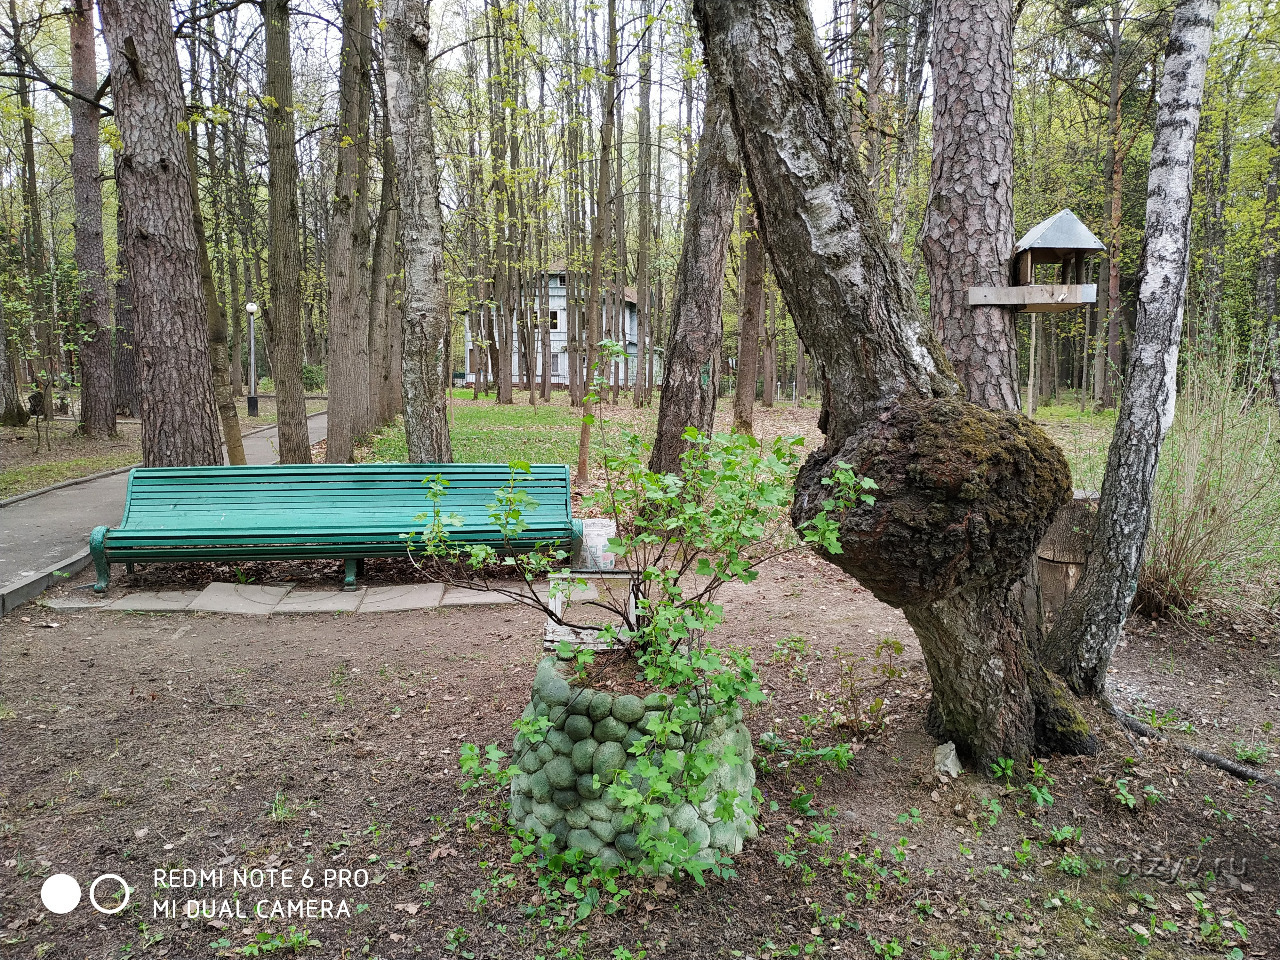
x: 965, y: 496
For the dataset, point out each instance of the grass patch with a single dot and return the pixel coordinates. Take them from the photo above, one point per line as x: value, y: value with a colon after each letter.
x: 33, y: 476
x: 1083, y: 436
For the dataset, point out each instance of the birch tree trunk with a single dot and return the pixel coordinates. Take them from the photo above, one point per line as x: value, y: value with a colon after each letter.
x: 179, y: 421
x: 964, y: 494
x: 1089, y: 626
x: 97, y: 388
x: 284, y: 266
x: 750, y: 320
x: 1271, y: 263
x: 426, y: 316
x: 696, y: 329
x: 968, y: 228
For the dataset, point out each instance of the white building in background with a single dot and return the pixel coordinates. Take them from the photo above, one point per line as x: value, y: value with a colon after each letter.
x: 557, y: 304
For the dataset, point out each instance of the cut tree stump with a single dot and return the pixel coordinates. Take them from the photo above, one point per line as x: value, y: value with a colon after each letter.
x: 1064, y: 549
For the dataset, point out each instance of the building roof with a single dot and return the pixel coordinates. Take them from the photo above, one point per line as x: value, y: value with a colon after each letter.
x: 631, y: 295
x: 1062, y: 231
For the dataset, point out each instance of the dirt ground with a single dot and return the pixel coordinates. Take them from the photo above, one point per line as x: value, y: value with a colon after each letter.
x: 136, y: 743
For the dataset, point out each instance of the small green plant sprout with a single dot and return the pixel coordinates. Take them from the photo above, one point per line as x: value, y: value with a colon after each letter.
x: 1073, y: 865
x: 1255, y: 753
x: 1064, y: 835
x: 292, y: 940
x: 993, y: 808
x: 1152, y: 795
x: 1124, y: 795
x: 1002, y: 769
x: 912, y: 817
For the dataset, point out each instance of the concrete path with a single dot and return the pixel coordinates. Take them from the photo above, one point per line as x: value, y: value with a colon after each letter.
x: 40, y: 531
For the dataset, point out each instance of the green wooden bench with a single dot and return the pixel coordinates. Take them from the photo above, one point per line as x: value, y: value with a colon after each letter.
x: 337, y: 511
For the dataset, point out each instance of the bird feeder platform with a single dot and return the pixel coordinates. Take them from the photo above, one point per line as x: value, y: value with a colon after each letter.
x: 1061, y: 240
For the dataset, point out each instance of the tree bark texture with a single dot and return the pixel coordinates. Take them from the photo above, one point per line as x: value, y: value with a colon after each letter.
x: 124, y: 365
x: 750, y: 321
x: 97, y: 387
x: 284, y: 266
x: 179, y: 420
x: 348, y: 373
x: 968, y: 230
x: 13, y: 412
x: 387, y: 227
x: 696, y: 328
x: 1271, y: 263
x: 217, y: 320
x: 1086, y: 632
x: 426, y: 314
x: 964, y: 494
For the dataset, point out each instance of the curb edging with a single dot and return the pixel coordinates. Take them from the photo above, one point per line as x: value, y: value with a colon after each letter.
x: 13, y: 595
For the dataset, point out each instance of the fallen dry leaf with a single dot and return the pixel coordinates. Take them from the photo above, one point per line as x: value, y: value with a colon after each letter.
x: 410, y: 908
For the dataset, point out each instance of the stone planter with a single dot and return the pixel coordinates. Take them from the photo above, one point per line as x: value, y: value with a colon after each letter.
x: 591, y: 732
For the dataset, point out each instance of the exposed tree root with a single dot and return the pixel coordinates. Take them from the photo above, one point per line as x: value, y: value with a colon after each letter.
x: 1238, y: 770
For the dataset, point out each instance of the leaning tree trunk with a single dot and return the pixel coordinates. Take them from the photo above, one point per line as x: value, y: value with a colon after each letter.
x: 97, y: 388
x: 968, y: 228
x: 426, y: 314
x: 284, y: 266
x: 750, y: 320
x: 1089, y: 626
x: 696, y: 329
x: 179, y: 420
x: 964, y: 493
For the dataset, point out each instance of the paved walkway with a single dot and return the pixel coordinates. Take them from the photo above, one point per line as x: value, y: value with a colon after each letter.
x: 40, y: 531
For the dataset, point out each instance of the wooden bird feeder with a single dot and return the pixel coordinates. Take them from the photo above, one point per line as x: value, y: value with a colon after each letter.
x: 1061, y: 240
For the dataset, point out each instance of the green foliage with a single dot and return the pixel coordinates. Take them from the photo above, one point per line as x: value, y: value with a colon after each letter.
x: 312, y: 377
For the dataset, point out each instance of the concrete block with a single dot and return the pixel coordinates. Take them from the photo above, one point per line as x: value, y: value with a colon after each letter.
x: 409, y: 596
x: 248, y: 599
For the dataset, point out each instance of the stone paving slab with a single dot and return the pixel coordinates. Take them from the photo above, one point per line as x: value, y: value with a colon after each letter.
x: 241, y: 598
x: 152, y: 601
x: 76, y: 603
x: 461, y: 596
x: 320, y: 601
x: 414, y: 596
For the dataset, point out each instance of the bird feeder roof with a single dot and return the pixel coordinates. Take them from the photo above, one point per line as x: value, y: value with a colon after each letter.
x: 1062, y: 231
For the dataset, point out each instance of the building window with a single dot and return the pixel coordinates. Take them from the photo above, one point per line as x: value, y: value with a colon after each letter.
x: 555, y: 319
x: 555, y: 364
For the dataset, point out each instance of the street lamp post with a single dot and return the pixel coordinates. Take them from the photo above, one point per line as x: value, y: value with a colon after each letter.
x: 252, y: 310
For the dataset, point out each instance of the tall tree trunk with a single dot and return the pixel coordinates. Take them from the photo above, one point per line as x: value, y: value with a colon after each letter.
x: 968, y: 229
x: 284, y: 266
x: 348, y: 372
x: 909, y: 143
x: 1089, y: 626
x: 769, y: 352
x: 690, y: 375
x: 97, y: 387
x: 383, y: 253
x: 1271, y: 263
x: 13, y: 412
x: 179, y: 419
x: 644, y: 225
x: 750, y: 317
x: 217, y: 320
x: 890, y: 405
x: 426, y: 314
x: 46, y: 336
x: 125, y: 359
x: 599, y: 238
x: 802, y: 371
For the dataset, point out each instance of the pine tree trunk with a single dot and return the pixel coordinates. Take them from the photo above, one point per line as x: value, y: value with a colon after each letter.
x: 426, y: 314
x: 1089, y: 626
x: 13, y: 412
x: 97, y: 388
x: 890, y: 405
x: 690, y: 374
x: 125, y: 356
x: 179, y: 419
x: 968, y: 229
x: 750, y: 317
x: 284, y: 266
x: 348, y: 374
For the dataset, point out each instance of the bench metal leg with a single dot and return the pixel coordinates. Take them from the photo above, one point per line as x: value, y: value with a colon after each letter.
x: 128, y: 567
x: 98, y: 550
x: 354, y: 569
